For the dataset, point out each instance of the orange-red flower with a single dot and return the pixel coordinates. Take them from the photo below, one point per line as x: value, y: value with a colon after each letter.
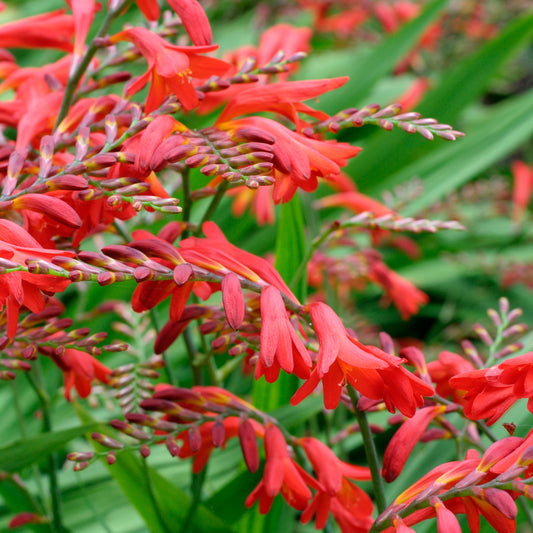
x: 170, y: 67
x: 350, y: 505
x: 22, y: 288
x: 489, y: 392
x: 368, y: 369
x: 522, y: 188
x: 281, y: 474
x: 280, y: 345
x: 49, y: 30
x: 405, y: 296
x: 401, y: 445
x: 298, y: 160
x: 79, y: 371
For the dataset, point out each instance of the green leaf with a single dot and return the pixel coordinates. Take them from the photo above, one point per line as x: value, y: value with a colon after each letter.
x: 386, y: 153
x: 506, y: 127
x: 366, y: 70
x: 290, y: 244
x: 29, y: 450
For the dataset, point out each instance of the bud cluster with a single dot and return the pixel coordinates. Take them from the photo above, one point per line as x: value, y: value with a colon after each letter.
x: 48, y: 334
x: 386, y: 118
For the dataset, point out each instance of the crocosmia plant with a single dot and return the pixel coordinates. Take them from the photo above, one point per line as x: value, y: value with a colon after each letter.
x: 266, y: 266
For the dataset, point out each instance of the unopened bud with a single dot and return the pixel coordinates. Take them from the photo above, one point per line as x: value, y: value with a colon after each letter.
x: 248, y: 443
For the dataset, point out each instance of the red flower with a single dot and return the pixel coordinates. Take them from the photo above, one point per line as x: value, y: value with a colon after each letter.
x: 406, y: 297
x: 368, y: 369
x: 49, y: 30
x: 402, y: 444
x: 280, y: 345
x: 298, y: 160
x: 489, y: 392
x: 22, y: 288
x: 522, y: 188
x: 191, y: 14
x: 79, y: 371
x: 350, y: 505
x: 496, y: 505
x: 170, y: 67
x: 281, y: 474
x: 449, y: 364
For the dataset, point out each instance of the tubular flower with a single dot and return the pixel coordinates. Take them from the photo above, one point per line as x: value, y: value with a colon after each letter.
x: 298, y: 160
x: 170, y: 67
x: 496, y: 505
x: 350, y: 505
x: 79, y: 371
x: 489, y: 392
x: 405, y: 296
x: 49, y: 30
x: 280, y: 345
x: 281, y: 474
x: 21, y: 288
x: 368, y: 369
x: 213, y: 253
x: 402, y: 444
x: 448, y: 365
x: 522, y: 189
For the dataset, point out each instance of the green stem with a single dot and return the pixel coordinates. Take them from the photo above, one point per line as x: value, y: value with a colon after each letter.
x: 196, y: 488
x: 53, y: 465
x: 317, y: 241
x: 187, y: 201
x: 91, y: 506
x: 172, y: 378
x: 222, y: 188
x: 191, y: 352
x: 370, y: 451
x: 24, y: 433
x: 75, y: 77
x: 524, y: 504
x: 160, y: 515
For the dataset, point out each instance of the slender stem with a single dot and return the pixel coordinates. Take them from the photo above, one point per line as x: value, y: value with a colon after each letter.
x: 172, y: 378
x: 76, y: 76
x: 44, y: 400
x: 222, y: 188
x: 191, y: 352
x: 159, y: 514
x: 24, y: 433
x: 370, y: 451
x: 187, y: 201
x: 317, y: 241
x: 196, y: 488
x: 91, y: 506
x: 526, y: 509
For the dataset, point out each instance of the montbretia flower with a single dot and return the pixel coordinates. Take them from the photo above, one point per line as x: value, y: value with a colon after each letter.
x: 374, y: 373
x: 48, y: 30
x: 22, y: 288
x: 281, y: 474
x: 447, y: 366
x: 298, y: 160
x: 401, y: 445
x: 522, y: 189
x: 405, y: 296
x: 191, y: 14
x: 280, y: 345
x: 349, y: 504
x: 469, y: 476
x: 79, y: 371
x: 489, y: 392
x: 170, y: 67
